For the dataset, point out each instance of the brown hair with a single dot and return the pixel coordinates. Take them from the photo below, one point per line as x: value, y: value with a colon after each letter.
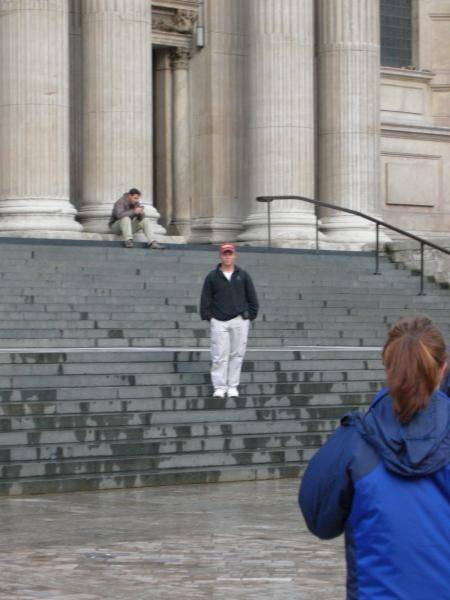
x: 413, y: 357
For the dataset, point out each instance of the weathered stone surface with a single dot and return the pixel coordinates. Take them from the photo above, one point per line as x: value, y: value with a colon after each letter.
x: 244, y: 541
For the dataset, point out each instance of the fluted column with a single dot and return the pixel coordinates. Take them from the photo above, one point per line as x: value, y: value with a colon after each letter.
x: 34, y: 117
x: 217, y: 111
x: 280, y: 116
x: 162, y: 134
x: 181, y: 217
x: 349, y: 129
x: 76, y: 101
x: 117, y: 106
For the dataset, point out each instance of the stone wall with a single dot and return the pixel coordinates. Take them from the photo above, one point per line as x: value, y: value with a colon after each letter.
x: 415, y: 127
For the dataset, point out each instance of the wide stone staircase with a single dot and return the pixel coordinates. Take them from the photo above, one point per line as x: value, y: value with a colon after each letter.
x: 104, y: 365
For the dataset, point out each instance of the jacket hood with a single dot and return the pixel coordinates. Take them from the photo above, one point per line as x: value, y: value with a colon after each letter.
x: 417, y: 448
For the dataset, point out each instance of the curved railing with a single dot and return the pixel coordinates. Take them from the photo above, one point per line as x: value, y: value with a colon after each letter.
x: 378, y: 224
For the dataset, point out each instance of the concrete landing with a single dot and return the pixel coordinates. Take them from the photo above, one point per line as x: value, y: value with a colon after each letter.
x: 236, y: 541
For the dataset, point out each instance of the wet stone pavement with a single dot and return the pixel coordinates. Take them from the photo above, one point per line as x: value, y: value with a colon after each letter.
x: 228, y: 541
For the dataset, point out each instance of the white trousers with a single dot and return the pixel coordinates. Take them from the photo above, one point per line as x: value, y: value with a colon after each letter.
x: 228, y: 345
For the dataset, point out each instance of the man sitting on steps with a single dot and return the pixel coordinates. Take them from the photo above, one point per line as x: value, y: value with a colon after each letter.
x: 128, y: 217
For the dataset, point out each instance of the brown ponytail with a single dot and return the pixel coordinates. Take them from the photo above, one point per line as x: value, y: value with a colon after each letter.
x: 413, y: 357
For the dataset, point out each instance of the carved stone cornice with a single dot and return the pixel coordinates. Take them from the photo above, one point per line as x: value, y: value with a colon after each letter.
x: 175, y: 4
x: 184, y: 21
x: 180, y: 21
x: 415, y: 132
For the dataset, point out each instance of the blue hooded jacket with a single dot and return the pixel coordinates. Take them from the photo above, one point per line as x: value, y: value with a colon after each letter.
x: 387, y: 486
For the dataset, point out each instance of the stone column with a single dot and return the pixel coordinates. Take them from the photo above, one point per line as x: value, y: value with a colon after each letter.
x: 162, y: 134
x: 349, y: 115
x: 117, y: 106
x: 76, y: 101
x: 181, y: 217
x: 280, y: 117
x: 34, y: 118
x: 217, y: 108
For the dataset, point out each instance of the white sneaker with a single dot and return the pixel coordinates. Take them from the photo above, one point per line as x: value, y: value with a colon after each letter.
x: 219, y: 394
x: 233, y: 393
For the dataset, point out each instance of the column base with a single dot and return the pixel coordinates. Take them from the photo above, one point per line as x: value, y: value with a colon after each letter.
x: 41, y: 215
x: 180, y: 227
x: 95, y: 219
x: 350, y: 233
x: 288, y: 230
x: 214, y: 230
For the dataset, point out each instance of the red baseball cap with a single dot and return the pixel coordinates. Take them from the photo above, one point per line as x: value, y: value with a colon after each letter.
x: 227, y: 247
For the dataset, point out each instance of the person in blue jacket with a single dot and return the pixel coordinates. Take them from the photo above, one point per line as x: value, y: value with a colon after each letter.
x: 383, y: 478
x: 445, y: 384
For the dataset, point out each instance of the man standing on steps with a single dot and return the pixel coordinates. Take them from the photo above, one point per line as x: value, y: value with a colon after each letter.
x: 128, y: 217
x: 229, y: 302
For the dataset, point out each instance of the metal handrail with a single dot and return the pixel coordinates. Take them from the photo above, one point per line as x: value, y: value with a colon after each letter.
x: 378, y: 223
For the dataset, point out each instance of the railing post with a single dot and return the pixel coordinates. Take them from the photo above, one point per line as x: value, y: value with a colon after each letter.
x: 377, y: 251
x: 317, y: 227
x: 269, y: 200
x: 422, y: 269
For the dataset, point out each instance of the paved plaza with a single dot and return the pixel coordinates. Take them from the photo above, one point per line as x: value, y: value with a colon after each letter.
x: 219, y: 541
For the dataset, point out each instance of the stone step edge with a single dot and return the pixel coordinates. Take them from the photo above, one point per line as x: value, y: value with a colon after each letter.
x: 187, y: 395
x: 117, y: 243
x: 141, y: 455
x: 284, y: 402
x: 117, y: 460
x: 157, y: 349
x: 205, y: 391
x: 114, y: 413
x: 226, y: 474
x: 42, y: 431
x: 316, y: 423
x: 171, y: 438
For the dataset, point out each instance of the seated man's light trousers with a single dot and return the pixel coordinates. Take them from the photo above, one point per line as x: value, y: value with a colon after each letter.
x: 127, y: 227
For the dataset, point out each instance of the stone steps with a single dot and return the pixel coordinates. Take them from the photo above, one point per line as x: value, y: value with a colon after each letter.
x: 125, y: 414
x: 75, y: 421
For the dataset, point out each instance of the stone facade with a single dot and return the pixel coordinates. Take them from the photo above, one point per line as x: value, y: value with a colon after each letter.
x: 415, y: 128
x: 205, y: 104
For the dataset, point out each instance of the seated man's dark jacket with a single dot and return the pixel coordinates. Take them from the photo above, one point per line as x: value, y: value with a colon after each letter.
x: 224, y: 300
x: 123, y: 208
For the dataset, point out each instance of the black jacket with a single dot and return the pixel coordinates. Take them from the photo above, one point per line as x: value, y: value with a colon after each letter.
x: 124, y: 208
x: 223, y: 300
